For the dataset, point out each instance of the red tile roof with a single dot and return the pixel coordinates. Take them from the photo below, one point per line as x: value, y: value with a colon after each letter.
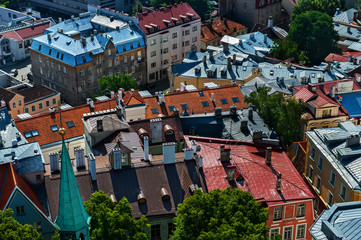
x: 9, y: 178
x: 259, y: 178
x: 344, y: 57
x: 12, y: 35
x: 33, y: 31
x: 43, y: 122
x: 36, y: 92
x: 132, y: 98
x: 164, y: 15
x: 194, y: 100
x: 218, y: 28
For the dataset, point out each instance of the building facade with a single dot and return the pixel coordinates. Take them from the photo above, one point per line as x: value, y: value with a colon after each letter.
x: 170, y: 33
x: 75, y: 53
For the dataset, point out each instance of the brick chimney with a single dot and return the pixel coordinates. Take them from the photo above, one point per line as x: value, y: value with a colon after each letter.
x: 225, y: 153
x: 268, y: 155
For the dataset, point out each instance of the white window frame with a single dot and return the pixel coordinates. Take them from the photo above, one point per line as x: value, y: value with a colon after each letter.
x: 274, y: 213
x: 304, y: 233
x: 284, y: 230
x: 272, y: 234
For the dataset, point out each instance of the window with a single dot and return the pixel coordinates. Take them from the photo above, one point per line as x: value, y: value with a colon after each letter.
x: 174, y: 58
x: 194, y: 28
x: 154, y: 110
x: 273, y: 232
x: 153, y: 65
x: 37, y: 226
x: 38, y: 177
x: 20, y: 210
x: 82, y: 85
x: 301, y: 210
x: 152, y: 42
x: 184, y: 106
x: 332, y: 178
x: 194, y: 39
x: 132, y: 57
x: 109, y: 52
x: 330, y: 199
x: 301, y: 231
x: 165, y: 39
x: 54, y: 100
x: 224, y: 101
x: 155, y: 232
x: 39, y: 59
x: 153, y: 53
x: 186, y: 43
x: 171, y: 108
x: 174, y: 35
x: 89, y: 70
x: 326, y: 113
x: 110, y: 63
x: 277, y: 215
x: 54, y: 128
x: 64, y: 69
x: 235, y: 99
x: 165, y: 50
x: 47, y: 103
x: 312, y: 155
x: 21, y: 45
x: 318, y: 183
x: 315, y: 204
x: 165, y: 62
x: 310, y: 174
x: 40, y: 105
x: 26, y: 110
x: 343, y: 192
x: 125, y: 70
x: 174, y: 46
x: 125, y: 59
x: 33, y: 108
x: 14, y: 104
x: 287, y: 234
x: 170, y: 229
x: 70, y: 124
x: 41, y: 70
x: 186, y: 32
x: 205, y: 103
x: 320, y: 163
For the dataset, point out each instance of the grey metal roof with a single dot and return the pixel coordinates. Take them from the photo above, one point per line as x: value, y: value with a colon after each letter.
x: 341, y: 221
x: 345, y: 160
x: 344, y: 17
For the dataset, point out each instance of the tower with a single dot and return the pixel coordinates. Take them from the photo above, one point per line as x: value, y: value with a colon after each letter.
x: 72, y: 220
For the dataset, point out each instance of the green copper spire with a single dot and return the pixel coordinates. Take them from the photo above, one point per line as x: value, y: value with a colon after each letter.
x: 73, y: 219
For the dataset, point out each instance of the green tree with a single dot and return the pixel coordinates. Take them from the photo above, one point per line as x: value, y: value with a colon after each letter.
x: 114, y: 82
x: 110, y: 221
x: 313, y: 33
x: 134, y: 8
x: 10, y: 229
x: 282, y: 115
x: 288, y: 49
x: 325, y: 6
x: 228, y: 214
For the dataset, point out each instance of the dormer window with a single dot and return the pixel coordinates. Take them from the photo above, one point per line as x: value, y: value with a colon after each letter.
x: 191, y: 16
x: 197, y: 70
x: 155, y: 27
x: 210, y: 72
x: 150, y: 28
x: 167, y: 22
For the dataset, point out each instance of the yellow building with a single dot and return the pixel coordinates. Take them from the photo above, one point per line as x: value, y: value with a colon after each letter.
x: 333, y: 164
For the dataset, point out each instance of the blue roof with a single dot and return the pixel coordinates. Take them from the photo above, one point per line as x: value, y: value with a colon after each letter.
x: 341, y: 221
x: 352, y: 103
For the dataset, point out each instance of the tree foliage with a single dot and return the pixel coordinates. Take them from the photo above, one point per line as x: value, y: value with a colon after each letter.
x: 10, y: 229
x: 282, y: 115
x: 114, y: 82
x: 111, y: 221
x: 313, y: 33
x: 325, y: 6
x: 228, y: 214
x: 288, y: 49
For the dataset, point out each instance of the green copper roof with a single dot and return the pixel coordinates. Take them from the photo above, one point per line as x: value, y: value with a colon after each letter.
x: 72, y: 216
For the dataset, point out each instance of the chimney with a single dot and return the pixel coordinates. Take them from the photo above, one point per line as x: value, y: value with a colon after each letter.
x: 231, y: 172
x: 352, y: 140
x: 92, y: 167
x: 278, y: 184
x: 90, y: 102
x: 229, y: 63
x: 257, y: 136
x: 165, y: 195
x: 354, y: 61
x: 72, y: 17
x: 146, y: 148
x: 268, y: 155
x: 250, y: 114
x: 156, y: 130
x: 92, y: 39
x: 225, y: 47
x: 225, y: 153
x: 234, y: 59
x: 95, y: 32
x: 288, y: 63
x: 176, y: 112
x: 218, y: 112
x: 212, y: 97
x: 111, y: 18
x: 54, y: 162
x: 18, y: 137
x: 79, y: 157
x: 205, y: 60
x: 244, y: 125
x: 200, y: 161
x: 233, y: 111
x: 240, y: 43
x: 349, y: 30
x: 169, y: 153
x: 265, y: 38
x: 60, y: 20
x: 251, y: 36
x: 332, y: 91
x: 183, y: 86
x: 193, y: 146
x: 116, y: 158
x: 270, y: 22
x: 188, y: 153
x: 83, y: 41
x: 211, y: 58
x: 14, y: 143
x: 100, y: 125
x: 49, y: 37
x: 328, y: 68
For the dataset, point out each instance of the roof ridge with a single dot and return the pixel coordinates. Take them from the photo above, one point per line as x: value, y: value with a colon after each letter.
x: 202, y: 89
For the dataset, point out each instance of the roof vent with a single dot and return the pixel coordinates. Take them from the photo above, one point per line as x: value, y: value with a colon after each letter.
x: 18, y: 136
x: 14, y: 143
x: 141, y: 197
x: 165, y: 194
x: 49, y: 36
x: 352, y: 140
x: 91, y: 103
x: 111, y: 18
x: 60, y: 30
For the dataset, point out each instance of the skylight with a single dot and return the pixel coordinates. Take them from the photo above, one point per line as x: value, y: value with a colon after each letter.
x: 171, y: 108
x: 201, y: 93
x: 205, y: 103
x: 224, y: 101
x: 154, y: 110
x: 184, y: 106
x: 32, y: 133
x: 235, y: 99
x: 54, y: 128
x: 35, y: 133
x: 70, y: 124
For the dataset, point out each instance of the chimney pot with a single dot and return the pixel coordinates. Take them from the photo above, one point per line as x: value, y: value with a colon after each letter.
x: 268, y: 155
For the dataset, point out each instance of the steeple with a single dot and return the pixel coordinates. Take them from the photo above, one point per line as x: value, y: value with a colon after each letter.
x: 73, y: 220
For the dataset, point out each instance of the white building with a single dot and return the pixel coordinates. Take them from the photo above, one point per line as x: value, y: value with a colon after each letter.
x: 170, y: 33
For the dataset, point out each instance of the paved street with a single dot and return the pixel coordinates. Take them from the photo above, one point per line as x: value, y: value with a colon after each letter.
x: 23, y: 68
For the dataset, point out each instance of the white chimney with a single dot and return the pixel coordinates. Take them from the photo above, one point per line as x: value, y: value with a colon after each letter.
x: 270, y: 22
x: 3, y: 103
x: 200, y: 161
x: 146, y: 148
x: 116, y: 158
x: 54, y: 161
x: 111, y: 94
x: 90, y: 102
x: 79, y: 157
x: 188, y: 153
x: 332, y: 91
x: 169, y: 153
x: 268, y: 155
x: 212, y: 97
x: 194, y: 146
x: 183, y: 87
x: 92, y: 166
x: 14, y: 143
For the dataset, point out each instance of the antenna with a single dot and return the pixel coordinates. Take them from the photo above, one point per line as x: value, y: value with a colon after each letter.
x: 61, y: 130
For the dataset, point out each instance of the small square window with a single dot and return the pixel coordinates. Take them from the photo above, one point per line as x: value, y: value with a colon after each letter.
x: 154, y: 110
x: 54, y: 128
x: 184, y: 106
x: 35, y: 133
x: 224, y: 101
x: 28, y: 134
x: 201, y: 93
x: 205, y: 103
x: 20, y: 210
x: 235, y: 99
x: 277, y: 215
x: 70, y: 124
x: 171, y: 108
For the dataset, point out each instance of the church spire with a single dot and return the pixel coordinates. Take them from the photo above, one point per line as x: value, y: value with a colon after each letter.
x: 73, y: 220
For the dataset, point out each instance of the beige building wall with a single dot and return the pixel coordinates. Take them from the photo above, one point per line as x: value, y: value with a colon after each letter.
x: 16, y: 106
x: 77, y: 142
x: 43, y: 105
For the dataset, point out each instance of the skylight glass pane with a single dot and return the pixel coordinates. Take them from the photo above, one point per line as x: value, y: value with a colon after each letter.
x: 171, y: 108
x: 201, y: 93
x: 235, y: 99
x: 224, y: 101
x: 155, y: 110
x: 184, y: 106
x: 205, y: 103
x: 28, y: 134
x: 54, y: 128
x: 70, y: 124
x: 35, y: 133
